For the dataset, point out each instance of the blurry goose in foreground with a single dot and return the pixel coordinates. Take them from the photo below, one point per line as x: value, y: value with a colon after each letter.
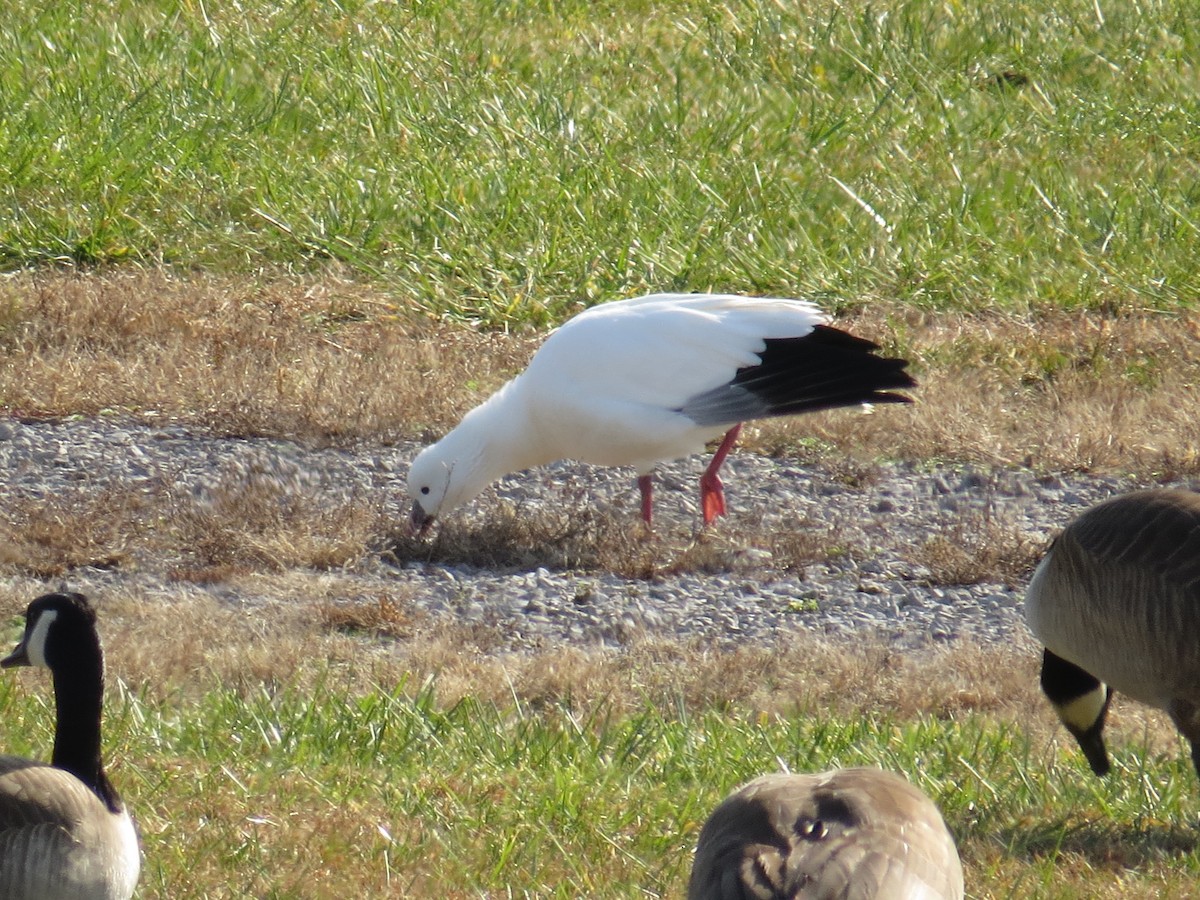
x: 636, y: 382
x: 850, y: 834
x: 1116, y: 603
x: 64, y: 832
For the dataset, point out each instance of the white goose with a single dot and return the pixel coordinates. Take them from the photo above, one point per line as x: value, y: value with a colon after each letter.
x: 1116, y: 603
x: 64, y: 832
x: 636, y: 382
x: 849, y: 834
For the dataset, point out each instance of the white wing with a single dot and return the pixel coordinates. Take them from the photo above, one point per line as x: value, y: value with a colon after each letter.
x: 608, y: 386
x: 664, y: 349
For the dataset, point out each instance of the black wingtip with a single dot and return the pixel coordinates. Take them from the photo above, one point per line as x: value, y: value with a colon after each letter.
x: 889, y: 397
x: 826, y: 368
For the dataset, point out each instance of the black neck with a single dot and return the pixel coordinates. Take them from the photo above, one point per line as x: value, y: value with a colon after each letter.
x: 79, y: 697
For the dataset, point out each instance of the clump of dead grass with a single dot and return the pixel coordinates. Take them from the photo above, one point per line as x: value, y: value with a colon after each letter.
x: 52, y: 535
x: 384, y: 615
x: 574, y: 535
x: 254, y: 520
x: 806, y: 543
x: 978, y: 546
x: 246, y: 521
x: 578, y: 535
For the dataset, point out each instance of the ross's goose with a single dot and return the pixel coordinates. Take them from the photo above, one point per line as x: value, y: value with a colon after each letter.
x: 635, y: 382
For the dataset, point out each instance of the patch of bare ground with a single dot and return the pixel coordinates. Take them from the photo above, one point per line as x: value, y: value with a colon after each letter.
x: 1059, y: 390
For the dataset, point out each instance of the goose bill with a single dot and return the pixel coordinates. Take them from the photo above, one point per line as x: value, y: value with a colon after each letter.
x: 19, y: 657
x: 419, y: 521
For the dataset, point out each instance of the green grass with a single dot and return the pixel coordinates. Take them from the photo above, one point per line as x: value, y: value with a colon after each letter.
x: 503, y: 161
x: 274, y: 793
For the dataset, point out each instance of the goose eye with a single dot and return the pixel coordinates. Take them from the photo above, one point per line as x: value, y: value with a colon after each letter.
x: 812, y: 829
x: 425, y: 490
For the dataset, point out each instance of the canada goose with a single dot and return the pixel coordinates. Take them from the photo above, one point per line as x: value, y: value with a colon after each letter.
x: 850, y: 834
x: 64, y: 832
x: 1116, y: 603
x: 635, y: 382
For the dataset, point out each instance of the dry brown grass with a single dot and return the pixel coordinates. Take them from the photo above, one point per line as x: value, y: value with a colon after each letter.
x: 242, y: 525
x: 1056, y: 390
x: 52, y: 535
x: 384, y: 616
x: 298, y: 629
x: 573, y: 535
x: 976, y: 547
x: 578, y: 535
x: 275, y: 356
x: 1059, y: 391
x: 259, y: 523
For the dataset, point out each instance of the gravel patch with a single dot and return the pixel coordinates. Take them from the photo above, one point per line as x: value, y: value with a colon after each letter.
x: 873, y: 580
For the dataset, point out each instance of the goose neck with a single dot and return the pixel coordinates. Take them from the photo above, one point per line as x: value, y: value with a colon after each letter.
x: 79, y: 700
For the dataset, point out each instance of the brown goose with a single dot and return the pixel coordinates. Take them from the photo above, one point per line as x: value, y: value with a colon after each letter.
x: 850, y: 834
x: 1116, y: 603
x: 64, y: 832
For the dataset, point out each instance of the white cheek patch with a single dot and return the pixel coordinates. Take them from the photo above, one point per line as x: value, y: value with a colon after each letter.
x: 35, y: 647
x: 1082, y: 712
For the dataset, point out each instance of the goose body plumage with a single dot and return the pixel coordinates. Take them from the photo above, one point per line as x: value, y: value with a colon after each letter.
x: 1116, y: 604
x: 64, y: 832
x: 636, y: 382
x: 848, y: 834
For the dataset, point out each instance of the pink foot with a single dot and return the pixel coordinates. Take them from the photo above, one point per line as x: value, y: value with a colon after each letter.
x: 712, y: 491
x: 712, y: 497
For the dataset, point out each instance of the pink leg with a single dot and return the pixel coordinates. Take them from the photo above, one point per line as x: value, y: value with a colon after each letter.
x: 712, y: 492
x: 645, y: 486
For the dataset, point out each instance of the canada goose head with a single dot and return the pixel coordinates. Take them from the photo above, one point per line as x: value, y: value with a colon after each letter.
x: 64, y: 831
x: 858, y: 834
x: 74, y: 623
x: 1081, y: 701
x: 1115, y: 602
